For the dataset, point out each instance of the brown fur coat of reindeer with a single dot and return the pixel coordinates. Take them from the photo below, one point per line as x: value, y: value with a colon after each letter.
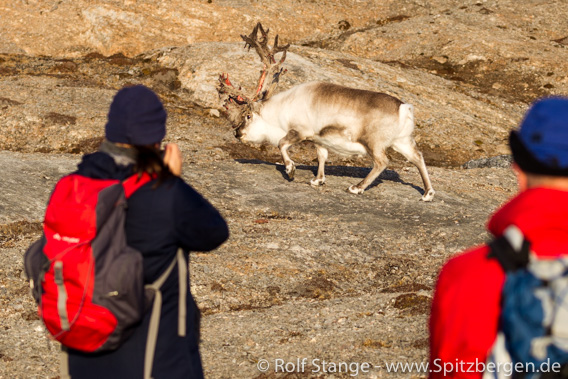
x: 344, y: 120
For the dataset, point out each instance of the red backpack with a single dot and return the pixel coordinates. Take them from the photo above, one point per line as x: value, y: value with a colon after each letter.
x: 87, y: 282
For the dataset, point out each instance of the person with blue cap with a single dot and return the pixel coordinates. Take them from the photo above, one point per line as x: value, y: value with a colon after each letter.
x: 162, y: 216
x: 471, y: 299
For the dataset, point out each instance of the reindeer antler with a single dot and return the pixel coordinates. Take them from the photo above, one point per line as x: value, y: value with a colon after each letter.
x: 226, y: 88
x: 271, y: 69
x: 234, y: 100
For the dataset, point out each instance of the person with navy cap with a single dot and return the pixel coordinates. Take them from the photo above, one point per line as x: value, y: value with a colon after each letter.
x: 162, y: 216
x: 467, y: 303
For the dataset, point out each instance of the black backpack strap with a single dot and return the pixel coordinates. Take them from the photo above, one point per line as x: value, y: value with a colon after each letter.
x: 511, y: 249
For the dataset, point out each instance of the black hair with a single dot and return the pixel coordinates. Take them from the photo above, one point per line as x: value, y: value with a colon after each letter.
x: 150, y: 159
x: 528, y: 162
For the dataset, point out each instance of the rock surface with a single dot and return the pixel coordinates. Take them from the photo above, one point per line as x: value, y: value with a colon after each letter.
x: 307, y: 273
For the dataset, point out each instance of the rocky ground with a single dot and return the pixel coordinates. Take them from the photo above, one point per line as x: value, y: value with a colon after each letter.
x: 307, y: 273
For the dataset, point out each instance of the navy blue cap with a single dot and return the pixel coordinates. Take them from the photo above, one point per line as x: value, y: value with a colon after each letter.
x: 136, y: 117
x: 541, y: 144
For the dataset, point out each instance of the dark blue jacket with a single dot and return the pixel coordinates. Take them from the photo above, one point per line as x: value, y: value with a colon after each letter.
x: 158, y: 221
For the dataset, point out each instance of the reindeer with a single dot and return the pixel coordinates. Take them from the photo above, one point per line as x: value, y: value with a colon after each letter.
x: 344, y: 120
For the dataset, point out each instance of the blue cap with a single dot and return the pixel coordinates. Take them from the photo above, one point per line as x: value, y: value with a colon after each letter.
x: 136, y: 117
x: 541, y: 143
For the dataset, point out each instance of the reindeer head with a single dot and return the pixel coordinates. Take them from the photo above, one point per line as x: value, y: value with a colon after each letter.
x: 242, y: 109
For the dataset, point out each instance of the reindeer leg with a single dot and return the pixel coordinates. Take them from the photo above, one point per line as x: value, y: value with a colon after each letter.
x: 284, y: 144
x: 380, y: 161
x: 322, y: 157
x: 407, y: 147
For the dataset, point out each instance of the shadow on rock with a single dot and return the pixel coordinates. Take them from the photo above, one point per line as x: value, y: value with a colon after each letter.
x: 341, y: 171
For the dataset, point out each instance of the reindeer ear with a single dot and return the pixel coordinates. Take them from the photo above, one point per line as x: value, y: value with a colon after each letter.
x: 256, y: 106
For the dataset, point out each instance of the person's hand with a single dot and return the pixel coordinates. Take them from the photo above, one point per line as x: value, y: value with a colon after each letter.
x: 173, y: 158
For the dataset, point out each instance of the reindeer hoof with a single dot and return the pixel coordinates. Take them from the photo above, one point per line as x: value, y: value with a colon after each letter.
x: 290, y: 171
x: 354, y: 189
x: 428, y: 196
x: 317, y: 182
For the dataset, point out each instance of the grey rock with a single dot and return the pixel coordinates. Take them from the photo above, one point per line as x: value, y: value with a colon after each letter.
x: 503, y: 161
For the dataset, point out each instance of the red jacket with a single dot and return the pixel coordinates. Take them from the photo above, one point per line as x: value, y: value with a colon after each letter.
x: 466, y: 305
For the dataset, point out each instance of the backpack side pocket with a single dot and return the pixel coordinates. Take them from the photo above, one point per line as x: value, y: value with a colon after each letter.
x: 35, y: 266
